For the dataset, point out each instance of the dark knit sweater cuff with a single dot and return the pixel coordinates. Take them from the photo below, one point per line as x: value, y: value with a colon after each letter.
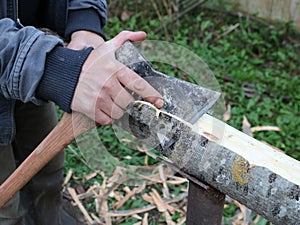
x: 86, y: 19
x: 62, y: 70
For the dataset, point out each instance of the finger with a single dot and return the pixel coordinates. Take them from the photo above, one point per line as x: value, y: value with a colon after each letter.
x: 116, y: 112
x: 102, y: 118
x: 118, y: 93
x: 106, y: 105
x: 113, y: 88
x: 123, y: 98
x: 134, y: 82
x: 128, y: 35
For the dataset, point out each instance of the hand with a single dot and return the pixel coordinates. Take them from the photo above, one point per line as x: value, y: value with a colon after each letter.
x: 83, y: 39
x: 100, y: 93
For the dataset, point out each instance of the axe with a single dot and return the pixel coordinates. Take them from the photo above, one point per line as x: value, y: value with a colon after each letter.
x: 198, y: 101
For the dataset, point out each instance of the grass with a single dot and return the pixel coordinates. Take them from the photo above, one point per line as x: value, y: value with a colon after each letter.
x: 256, y: 65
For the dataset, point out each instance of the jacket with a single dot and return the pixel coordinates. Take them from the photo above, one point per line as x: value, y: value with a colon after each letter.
x: 35, y: 67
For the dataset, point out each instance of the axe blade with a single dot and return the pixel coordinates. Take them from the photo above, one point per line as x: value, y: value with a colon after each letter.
x: 183, y: 99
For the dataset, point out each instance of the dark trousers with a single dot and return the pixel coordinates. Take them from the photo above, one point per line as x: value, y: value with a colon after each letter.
x: 39, y: 202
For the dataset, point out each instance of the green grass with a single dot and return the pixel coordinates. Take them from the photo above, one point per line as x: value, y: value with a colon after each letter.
x: 257, y: 67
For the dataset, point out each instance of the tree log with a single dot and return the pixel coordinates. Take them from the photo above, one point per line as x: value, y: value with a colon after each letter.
x: 258, y: 176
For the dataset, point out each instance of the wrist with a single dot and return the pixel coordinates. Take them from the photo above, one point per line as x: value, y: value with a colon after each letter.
x: 83, y: 39
x: 62, y: 70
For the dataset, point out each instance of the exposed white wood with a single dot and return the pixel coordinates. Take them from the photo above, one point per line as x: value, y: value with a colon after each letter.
x: 256, y: 152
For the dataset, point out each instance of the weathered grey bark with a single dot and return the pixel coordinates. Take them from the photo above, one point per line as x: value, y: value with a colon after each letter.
x: 260, y: 189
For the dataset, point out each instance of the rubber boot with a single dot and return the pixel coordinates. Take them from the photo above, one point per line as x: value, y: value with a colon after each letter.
x: 10, y: 213
x: 42, y: 196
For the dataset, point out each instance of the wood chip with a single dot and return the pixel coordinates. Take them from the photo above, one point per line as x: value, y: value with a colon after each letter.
x: 227, y: 114
x: 97, y: 220
x: 79, y: 205
x: 258, y: 217
x: 104, y: 207
x: 127, y: 196
x: 176, y: 180
x: 123, y: 213
x: 92, y: 175
x: 148, y: 198
x: 247, y: 127
x: 137, y: 217
x: 146, y: 161
x: 165, y: 189
x: 145, y: 219
x: 158, y: 201
x: 68, y: 177
x: 181, y: 221
x: 169, y: 218
x: 265, y: 128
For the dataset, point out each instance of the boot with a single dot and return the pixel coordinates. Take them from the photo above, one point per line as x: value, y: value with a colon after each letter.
x: 10, y: 213
x: 42, y: 196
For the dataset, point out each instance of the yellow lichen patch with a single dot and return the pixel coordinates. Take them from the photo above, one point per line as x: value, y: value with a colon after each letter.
x: 240, y: 169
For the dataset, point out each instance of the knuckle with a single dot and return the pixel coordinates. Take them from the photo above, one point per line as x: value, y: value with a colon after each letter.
x: 125, y: 32
x: 121, y: 73
x: 102, y: 119
x: 105, y: 122
x: 108, y: 85
x: 100, y: 100
x: 117, y: 115
x: 140, y: 84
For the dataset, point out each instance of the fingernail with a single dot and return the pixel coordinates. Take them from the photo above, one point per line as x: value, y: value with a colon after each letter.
x: 159, y: 103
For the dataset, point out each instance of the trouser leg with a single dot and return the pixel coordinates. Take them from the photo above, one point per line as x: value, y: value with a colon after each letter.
x: 42, y: 195
x: 10, y: 213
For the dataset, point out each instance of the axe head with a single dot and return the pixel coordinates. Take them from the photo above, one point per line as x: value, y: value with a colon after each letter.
x: 183, y: 99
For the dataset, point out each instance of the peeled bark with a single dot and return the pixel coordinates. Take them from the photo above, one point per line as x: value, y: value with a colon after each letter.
x: 258, y: 176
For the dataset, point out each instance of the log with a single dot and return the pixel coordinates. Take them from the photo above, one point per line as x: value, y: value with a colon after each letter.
x: 258, y: 176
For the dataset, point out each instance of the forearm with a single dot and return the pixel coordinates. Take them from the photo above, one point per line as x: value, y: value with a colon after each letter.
x: 36, y: 67
x: 62, y: 71
x: 23, y: 53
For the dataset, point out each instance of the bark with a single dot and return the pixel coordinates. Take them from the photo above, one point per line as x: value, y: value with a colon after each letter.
x: 265, y: 180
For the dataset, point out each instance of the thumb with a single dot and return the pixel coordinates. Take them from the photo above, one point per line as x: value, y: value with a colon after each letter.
x: 128, y: 36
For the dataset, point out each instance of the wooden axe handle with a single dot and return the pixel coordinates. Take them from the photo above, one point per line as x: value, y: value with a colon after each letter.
x: 68, y: 128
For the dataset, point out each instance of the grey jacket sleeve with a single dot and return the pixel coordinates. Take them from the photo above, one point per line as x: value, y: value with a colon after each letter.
x: 22, y: 59
x: 36, y: 67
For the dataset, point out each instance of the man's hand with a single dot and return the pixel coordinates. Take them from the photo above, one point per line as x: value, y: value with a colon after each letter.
x: 100, y: 93
x: 83, y: 39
